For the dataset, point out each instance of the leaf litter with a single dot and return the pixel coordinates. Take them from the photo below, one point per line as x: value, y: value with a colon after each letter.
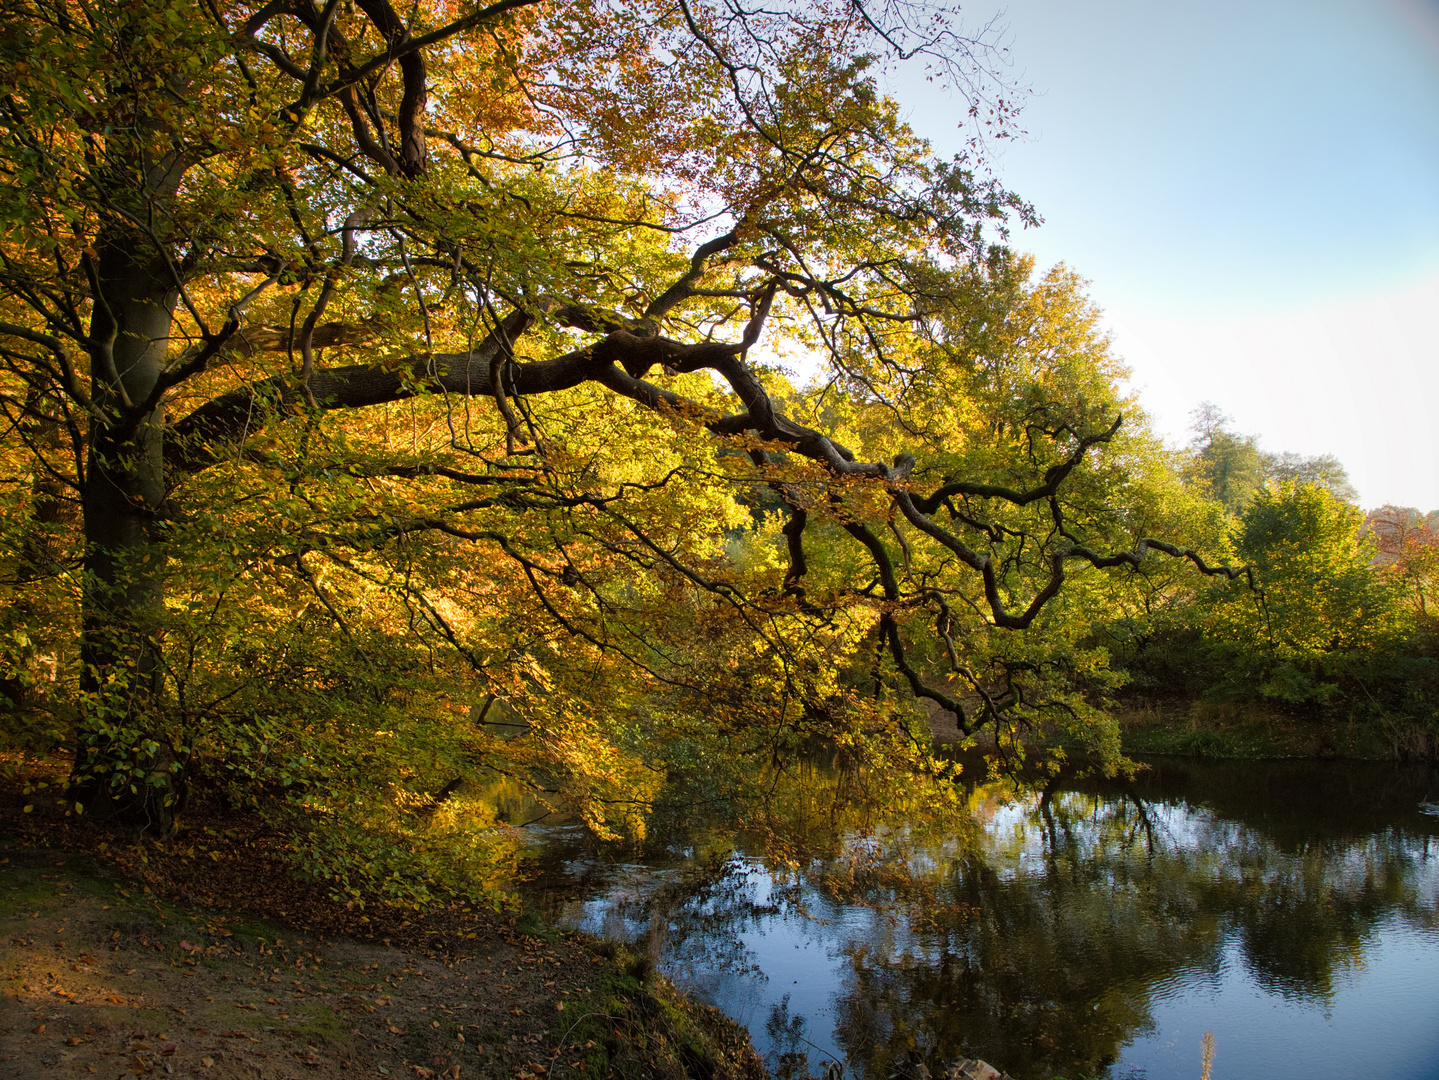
x: 153, y: 976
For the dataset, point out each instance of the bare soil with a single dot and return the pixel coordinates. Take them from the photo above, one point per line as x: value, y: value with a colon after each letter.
x: 120, y: 959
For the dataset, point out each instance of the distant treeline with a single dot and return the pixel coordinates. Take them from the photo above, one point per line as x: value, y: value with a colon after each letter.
x: 1343, y: 626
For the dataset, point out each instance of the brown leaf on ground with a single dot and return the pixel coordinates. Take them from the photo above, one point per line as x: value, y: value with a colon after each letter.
x: 334, y: 959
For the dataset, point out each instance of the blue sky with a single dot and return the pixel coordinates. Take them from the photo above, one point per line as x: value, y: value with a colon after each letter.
x: 1253, y: 191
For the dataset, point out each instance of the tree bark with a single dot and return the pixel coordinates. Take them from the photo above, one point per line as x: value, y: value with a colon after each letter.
x: 124, y: 765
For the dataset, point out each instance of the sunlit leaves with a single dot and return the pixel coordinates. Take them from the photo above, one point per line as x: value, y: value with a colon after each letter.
x: 382, y: 563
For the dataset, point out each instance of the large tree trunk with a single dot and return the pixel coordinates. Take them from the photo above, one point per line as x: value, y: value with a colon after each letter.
x: 124, y: 764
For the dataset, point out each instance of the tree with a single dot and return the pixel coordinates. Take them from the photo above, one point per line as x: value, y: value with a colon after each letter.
x: 1231, y: 466
x: 1309, y: 548
x: 1407, y: 544
x: 1234, y: 468
x: 242, y: 241
x: 1322, y: 470
x: 1324, y: 607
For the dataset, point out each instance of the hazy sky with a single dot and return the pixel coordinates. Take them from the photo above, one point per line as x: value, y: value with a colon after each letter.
x: 1253, y: 191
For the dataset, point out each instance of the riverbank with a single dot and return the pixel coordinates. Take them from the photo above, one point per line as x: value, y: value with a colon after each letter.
x: 121, y: 958
x: 1182, y: 728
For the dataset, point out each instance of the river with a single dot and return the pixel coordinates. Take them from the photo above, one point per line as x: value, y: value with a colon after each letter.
x: 1288, y: 910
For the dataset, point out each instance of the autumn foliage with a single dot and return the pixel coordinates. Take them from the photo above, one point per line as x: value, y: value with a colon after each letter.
x: 402, y: 411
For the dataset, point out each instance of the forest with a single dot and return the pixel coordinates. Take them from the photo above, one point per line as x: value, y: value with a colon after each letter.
x: 408, y: 404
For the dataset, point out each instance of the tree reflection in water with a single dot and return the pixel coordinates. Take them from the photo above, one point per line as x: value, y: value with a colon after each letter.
x: 1043, y: 938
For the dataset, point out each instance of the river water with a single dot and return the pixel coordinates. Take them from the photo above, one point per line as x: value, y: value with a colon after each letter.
x: 1288, y: 910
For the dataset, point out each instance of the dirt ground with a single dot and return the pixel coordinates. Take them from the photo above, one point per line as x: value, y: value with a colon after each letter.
x: 121, y: 960
x: 114, y: 984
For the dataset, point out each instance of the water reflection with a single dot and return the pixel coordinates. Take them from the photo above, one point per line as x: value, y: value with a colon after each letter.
x: 1293, y: 909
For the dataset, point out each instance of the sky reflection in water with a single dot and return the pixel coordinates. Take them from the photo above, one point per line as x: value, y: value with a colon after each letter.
x: 1290, y: 908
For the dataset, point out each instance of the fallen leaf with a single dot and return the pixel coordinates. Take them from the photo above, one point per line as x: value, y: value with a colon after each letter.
x: 75, y: 1040
x: 207, y: 1061
x: 115, y: 999
x: 40, y: 1030
x: 187, y: 946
